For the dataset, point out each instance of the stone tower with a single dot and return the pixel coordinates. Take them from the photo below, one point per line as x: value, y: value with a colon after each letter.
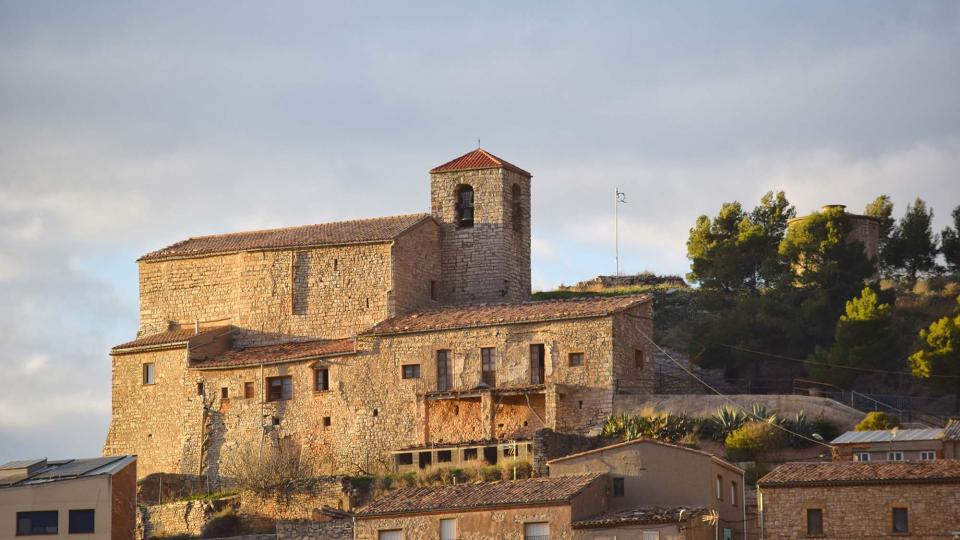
x: 483, y: 206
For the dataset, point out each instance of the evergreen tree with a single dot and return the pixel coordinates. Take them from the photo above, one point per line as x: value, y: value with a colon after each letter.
x: 950, y: 243
x: 882, y: 209
x: 864, y: 338
x: 939, y: 355
x: 912, y: 249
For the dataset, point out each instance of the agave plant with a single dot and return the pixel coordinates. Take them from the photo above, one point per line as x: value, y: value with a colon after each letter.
x: 760, y: 412
x: 725, y: 421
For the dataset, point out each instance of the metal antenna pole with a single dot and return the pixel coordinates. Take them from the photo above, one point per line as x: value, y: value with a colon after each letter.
x: 620, y: 197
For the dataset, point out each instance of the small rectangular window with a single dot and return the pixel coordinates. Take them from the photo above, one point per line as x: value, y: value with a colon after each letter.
x: 321, y: 379
x: 444, y: 456
x: 448, y: 529
x: 326, y: 421
x: 469, y: 454
x: 861, y: 456
x: 618, y: 487
x: 488, y: 366
x: 444, y: 377
x: 405, y: 458
x: 411, y: 371
x: 900, y: 521
x: 199, y: 388
x: 81, y: 522
x: 537, y: 367
x: 733, y: 493
x: 248, y: 391
x: 536, y: 531
x: 279, y: 388
x: 149, y: 373
x: 434, y: 295
x: 392, y: 534
x: 814, y: 521
x: 576, y: 359
x: 719, y: 488
x: 928, y: 455
x: 894, y: 456
x: 639, y: 359
x: 224, y: 393
x: 43, y: 522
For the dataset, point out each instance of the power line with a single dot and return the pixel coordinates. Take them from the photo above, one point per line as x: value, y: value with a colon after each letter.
x: 727, y: 398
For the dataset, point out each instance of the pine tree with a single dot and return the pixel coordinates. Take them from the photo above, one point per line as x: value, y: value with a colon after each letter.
x: 938, y: 358
x: 950, y: 243
x: 882, y: 209
x: 912, y: 250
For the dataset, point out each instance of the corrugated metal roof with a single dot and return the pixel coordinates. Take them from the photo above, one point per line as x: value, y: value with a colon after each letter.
x: 55, y: 471
x: 853, y: 437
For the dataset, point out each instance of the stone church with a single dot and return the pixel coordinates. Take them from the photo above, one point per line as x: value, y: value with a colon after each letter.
x: 373, y: 344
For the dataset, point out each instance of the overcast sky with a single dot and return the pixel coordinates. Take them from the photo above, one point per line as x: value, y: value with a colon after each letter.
x: 127, y: 126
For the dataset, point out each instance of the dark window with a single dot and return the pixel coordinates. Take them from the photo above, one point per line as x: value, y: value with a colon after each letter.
x: 490, y: 454
x: 321, y: 379
x: 618, y: 488
x: 639, y: 358
x: 576, y: 359
x: 326, y: 421
x: 405, y: 458
x: 81, y: 521
x: 279, y: 388
x: 248, y: 390
x: 517, y: 216
x: 733, y: 493
x: 469, y: 454
x: 376, y: 413
x: 444, y: 377
x: 424, y: 459
x: 199, y: 388
x: 900, y: 524
x: 411, y: 371
x: 335, y: 265
x: 224, y: 393
x: 488, y: 366
x: 536, y: 364
x: 433, y: 290
x: 464, y: 206
x: 509, y: 451
x: 37, y: 522
x: 444, y: 456
x: 149, y: 373
x: 814, y: 521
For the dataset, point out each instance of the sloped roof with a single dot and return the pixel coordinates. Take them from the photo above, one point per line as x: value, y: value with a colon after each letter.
x: 41, y: 471
x: 173, y: 337
x: 644, y: 515
x: 279, y: 353
x: 478, y: 159
x: 644, y: 440
x: 360, y: 231
x: 862, y: 472
x: 498, y: 314
x: 889, y: 435
x: 952, y: 431
x: 471, y: 496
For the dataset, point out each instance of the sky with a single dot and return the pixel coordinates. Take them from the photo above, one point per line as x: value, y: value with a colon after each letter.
x: 127, y: 126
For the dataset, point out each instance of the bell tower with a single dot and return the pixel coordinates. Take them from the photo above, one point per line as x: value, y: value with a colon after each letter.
x: 483, y: 206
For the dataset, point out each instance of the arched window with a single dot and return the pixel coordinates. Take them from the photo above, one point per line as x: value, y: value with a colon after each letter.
x: 464, y: 206
x: 517, y: 217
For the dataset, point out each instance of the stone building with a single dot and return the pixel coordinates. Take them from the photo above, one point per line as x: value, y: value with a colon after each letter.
x: 863, y: 229
x: 845, y: 499
x: 356, y: 340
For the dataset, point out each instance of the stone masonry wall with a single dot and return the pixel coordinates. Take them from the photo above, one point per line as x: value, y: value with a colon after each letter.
x: 338, y: 529
x: 481, y: 524
x: 863, y: 511
x: 490, y: 261
x: 416, y: 269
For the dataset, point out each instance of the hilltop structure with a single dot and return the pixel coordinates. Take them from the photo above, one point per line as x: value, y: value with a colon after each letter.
x: 357, y: 341
x: 863, y: 229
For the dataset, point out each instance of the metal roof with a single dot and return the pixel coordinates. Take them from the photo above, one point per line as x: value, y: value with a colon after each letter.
x: 889, y: 435
x: 66, y: 469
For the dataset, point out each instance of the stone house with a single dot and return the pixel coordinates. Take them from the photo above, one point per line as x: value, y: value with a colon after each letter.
x: 353, y: 341
x: 645, y: 473
x: 926, y: 444
x: 90, y: 498
x: 844, y: 499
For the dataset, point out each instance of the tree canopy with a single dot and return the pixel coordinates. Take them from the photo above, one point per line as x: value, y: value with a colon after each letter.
x: 950, y: 243
x: 912, y: 248
x: 938, y: 357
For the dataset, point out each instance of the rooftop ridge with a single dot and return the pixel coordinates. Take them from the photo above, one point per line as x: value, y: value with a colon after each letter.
x: 476, y: 160
x: 292, y: 227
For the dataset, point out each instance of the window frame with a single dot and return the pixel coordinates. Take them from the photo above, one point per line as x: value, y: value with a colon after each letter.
x: 224, y: 393
x: 733, y: 493
x: 56, y: 522
x: 444, y: 375
x: 488, y: 366
x: 719, y: 487
x: 459, y: 206
x: 324, y: 378
x: 409, y: 371
x: 76, y: 512
x: 149, y: 374
x: 893, y: 520
x: 456, y: 528
x: 858, y: 455
x: 809, y: 512
x: 538, y: 363
x: 283, y: 396
x: 619, y: 487
x: 931, y: 453
x: 895, y: 455
x: 249, y: 390
x: 570, y: 357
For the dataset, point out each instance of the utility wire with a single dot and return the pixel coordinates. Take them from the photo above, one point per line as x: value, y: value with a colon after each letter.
x: 727, y: 398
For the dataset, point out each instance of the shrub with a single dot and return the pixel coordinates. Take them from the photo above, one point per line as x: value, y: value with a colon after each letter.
x: 225, y: 523
x: 662, y: 427
x: 723, y: 422
x: 523, y: 469
x: 877, y: 420
x: 752, y: 439
x: 274, y: 470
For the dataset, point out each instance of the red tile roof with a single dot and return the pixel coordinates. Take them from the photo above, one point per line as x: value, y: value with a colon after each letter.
x: 279, y: 353
x: 861, y: 473
x: 644, y: 515
x: 500, y: 314
x: 474, y: 496
x: 361, y: 231
x: 171, y: 338
x: 478, y: 159
x: 643, y: 440
x: 952, y: 431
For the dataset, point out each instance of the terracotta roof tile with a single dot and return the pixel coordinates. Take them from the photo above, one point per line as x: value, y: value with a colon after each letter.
x: 172, y: 337
x: 859, y: 473
x: 642, y: 515
x: 279, y: 353
x: 498, y: 314
x: 359, y: 231
x: 952, y: 431
x: 478, y: 159
x: 470, y: 496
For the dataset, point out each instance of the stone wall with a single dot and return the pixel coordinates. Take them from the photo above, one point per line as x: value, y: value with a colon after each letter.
x: 159, y: 487
x: 496, y: 523
x: 311, y: 494
x: 177, y: 518
x: 490, y: 261
x: 862, y: 511
x: 338, y: 529
x: 549, y: 444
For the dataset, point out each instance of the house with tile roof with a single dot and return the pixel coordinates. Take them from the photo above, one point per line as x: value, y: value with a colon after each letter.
x: 353, y: 341
x: 925, y: 444
x: 850, y: 499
